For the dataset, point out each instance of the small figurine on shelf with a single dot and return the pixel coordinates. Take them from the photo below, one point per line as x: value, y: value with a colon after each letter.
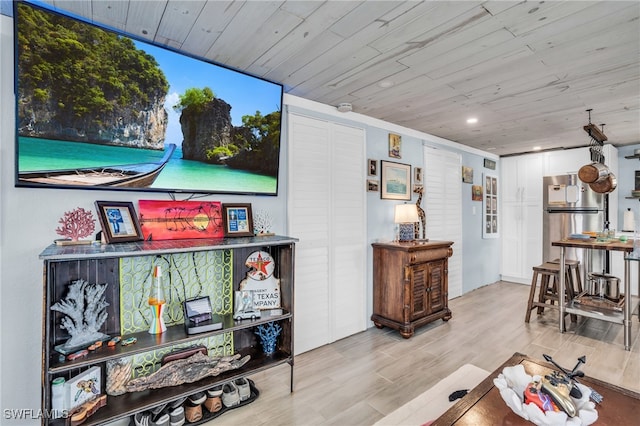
x: 268, y: 334
x: 156, y: 303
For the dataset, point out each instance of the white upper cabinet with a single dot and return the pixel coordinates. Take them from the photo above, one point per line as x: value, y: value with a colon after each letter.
x: 522, y: 178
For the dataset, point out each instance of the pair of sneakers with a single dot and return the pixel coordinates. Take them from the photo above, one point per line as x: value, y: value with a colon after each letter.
x: 236, y: 391
x: 211, y: 400
x: 171, y: 414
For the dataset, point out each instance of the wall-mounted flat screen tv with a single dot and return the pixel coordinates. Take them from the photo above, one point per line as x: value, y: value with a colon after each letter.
x: 99, y: 109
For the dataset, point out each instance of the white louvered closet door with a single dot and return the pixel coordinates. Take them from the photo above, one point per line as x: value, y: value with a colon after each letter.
x: 327, y: 213
x: 442, y: 202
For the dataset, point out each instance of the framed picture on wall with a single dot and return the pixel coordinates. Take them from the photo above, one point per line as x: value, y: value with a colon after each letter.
x: 395, y: 142
x: 372, y: 167
x: 476, y: 192
x: 490, y: 210
x: 373, y: 185
x: 396, y: 181
x: 467, y: 174
x: 417, y: 175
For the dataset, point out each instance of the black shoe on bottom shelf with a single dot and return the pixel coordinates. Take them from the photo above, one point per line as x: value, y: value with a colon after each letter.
x: 142, y: 418
x: 176, y: 416
x: 197, y: 398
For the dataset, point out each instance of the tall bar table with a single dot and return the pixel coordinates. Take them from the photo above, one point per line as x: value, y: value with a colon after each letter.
x: 604, y: 314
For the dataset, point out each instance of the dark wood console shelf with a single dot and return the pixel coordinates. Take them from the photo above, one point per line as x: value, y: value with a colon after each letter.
x: 146, y: 342
x: 410, y: 284
x: 102, y: 264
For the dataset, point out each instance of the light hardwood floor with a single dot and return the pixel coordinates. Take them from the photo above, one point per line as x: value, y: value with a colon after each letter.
x: 360, y: 379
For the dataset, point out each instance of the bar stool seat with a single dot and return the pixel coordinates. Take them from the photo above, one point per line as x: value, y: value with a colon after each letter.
x: 548, y: 291
x: 574, y: 267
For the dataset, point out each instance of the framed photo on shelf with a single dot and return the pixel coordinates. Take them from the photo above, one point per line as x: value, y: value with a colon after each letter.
x: 119, y: 221
x: 237, y: 220
x: 83, y: 387
x: 396, y: 181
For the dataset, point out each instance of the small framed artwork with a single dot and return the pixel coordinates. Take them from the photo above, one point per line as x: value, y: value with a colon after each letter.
x: 119, y: 221
x: 83, y: 387
x: 491, y: 211
x: 489, y: 164
x: 417, y: 175
x: 418, y: 188
x: 395, y: 143
x: 476, y: 192
x: 396, y: 181
x: 467, y: 174
x: 373, y: 185
x: 237, y: 220
x: 373, y: 167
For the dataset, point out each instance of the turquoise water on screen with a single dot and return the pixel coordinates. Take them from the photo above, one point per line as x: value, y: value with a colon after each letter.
x: 184, y: 175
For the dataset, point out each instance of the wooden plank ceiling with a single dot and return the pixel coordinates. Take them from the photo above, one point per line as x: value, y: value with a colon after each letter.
x: 527, y: 70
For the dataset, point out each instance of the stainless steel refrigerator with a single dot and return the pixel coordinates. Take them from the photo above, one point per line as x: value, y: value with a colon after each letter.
x: 571, y: 207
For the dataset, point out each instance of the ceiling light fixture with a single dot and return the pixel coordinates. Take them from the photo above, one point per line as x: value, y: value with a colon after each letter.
x: 472, y: 120
x: 386, y: 83
x: 537, y: 148
x: 344, y: 107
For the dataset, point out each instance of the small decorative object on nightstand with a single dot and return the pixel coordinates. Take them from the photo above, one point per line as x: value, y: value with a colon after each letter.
x: 406, y: 216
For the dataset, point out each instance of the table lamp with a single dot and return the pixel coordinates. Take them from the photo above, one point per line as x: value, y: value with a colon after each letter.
x: 406, y: 216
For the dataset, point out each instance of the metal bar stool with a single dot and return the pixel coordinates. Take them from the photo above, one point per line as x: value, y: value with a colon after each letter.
x: 548, y: 292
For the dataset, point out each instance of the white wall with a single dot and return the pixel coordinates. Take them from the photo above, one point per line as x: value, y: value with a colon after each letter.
x: 28, y: 218
x: 481, y: 257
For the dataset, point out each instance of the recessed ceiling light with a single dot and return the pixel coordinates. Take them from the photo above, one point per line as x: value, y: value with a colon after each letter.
x: 385, y: 83
x: 537, y: 148
x: 472, y: 120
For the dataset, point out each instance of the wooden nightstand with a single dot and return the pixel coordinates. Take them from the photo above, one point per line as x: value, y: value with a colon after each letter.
x: 410, y: 285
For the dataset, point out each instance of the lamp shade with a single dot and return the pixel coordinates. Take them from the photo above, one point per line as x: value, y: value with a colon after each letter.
x: 406, y: 213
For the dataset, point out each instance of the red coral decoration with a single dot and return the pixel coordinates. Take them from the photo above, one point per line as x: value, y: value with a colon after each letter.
x: 76, y: 224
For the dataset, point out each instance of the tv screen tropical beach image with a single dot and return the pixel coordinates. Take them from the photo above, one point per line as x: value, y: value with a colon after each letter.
x: 98, y: 109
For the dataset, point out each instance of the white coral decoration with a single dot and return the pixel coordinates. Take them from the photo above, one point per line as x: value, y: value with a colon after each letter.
x: 85, y: 310
x: 262, y: 222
